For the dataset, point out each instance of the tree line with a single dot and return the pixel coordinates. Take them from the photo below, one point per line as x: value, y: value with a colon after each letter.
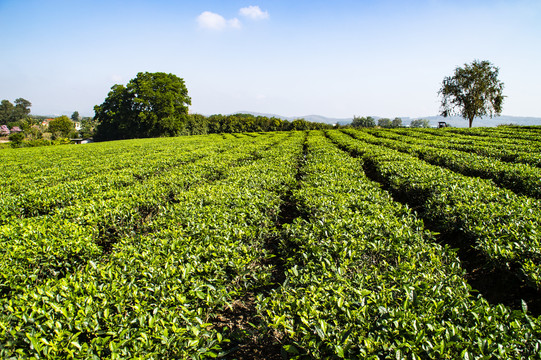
x: 369, y: 121
x: 214, y: 124
x: 156, y: 104
x: 198, y: 124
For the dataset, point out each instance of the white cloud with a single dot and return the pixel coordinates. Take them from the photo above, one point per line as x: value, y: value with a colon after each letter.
x: 234, y: 23
x: 254, y: 13
x: 210, y: 20
x: 213, y: 21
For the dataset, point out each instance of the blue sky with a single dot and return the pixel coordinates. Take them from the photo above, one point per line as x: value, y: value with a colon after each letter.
x: 332, y: 58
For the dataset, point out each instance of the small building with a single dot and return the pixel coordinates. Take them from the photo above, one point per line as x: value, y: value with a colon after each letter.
x: 46, y: 122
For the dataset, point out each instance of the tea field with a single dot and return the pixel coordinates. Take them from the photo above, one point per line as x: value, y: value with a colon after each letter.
x: 354, y: 244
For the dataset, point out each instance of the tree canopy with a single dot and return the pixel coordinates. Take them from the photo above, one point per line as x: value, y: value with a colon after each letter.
x: 420, y: 123
x: 10, y: 113
x: 384, y: 122
x: 473, y: 91
x: 363, y: 121
x: 61, y: 127
x: 151, y: 105
x: 396, y: 123
x: 75, y: 116
x: 200, y: 124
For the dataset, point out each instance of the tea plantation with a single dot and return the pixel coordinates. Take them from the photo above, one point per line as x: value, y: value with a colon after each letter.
x: 354, y: 244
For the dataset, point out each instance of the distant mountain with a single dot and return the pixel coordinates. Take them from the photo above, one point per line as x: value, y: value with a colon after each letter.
x: 312, y: 118
x: 454, y: 121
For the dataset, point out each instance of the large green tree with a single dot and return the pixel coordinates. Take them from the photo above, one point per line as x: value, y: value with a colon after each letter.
x: 88, y: 127
x: 22, y: 109
x: 420, y: 123
x: 61, y: 126
x: 396, y: 123
x: 75, y: 116
x: 473, y: 91
x: 6, y: 111
x: 10, y: 113
x: 363, y: 121
x: 151, y: 105
x: 384, y: 122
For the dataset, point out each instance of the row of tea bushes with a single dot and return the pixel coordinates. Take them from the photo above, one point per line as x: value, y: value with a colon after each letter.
x: 54, y: 245
x: 108, y: 168
x: 486, y: 137
x: 520, y: 178
x: 510, y: 133
x: 366, y: 280
x: 502, y: 148
x: 158, y: 292
x: 502, y: 225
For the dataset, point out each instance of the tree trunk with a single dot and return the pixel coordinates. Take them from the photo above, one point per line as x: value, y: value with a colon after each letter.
x: 470, y: 120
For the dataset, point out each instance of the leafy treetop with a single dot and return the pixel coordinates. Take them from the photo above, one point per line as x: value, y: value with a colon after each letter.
x: 10, y: 113
x: 473, y: 91
x: 363, y: 121
x: 61, y: 127
x: 151, y: 105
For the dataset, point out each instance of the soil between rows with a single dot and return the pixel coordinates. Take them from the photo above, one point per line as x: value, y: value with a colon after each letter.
x: 251, y: 337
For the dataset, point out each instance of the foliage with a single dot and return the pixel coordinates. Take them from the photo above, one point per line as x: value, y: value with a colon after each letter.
x: 75, y: 116
x: 151, y: 105
x: 364, y: 279
x: 215, y: 124
x: 141, y: 249
x: 10, y: 113
x: 37, y: 142
x: 420, y: 123
x: 155, y: 104
x: 514, y: 146
x: 34, y: 132
x: 518, y: 177
x: 61, y: 127
x: 22, y: 108
x: 384, y: 123
x: 473, y: 91
x: 88, y: 127
x: 363, y: 121
x: 501, y: 225
x: 133, y: 300
x: 6, y: 111
x: 61, y: 141
x: 16, y: 138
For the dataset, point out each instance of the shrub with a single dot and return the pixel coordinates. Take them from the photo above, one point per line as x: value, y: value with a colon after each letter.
x: 16, y: 139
